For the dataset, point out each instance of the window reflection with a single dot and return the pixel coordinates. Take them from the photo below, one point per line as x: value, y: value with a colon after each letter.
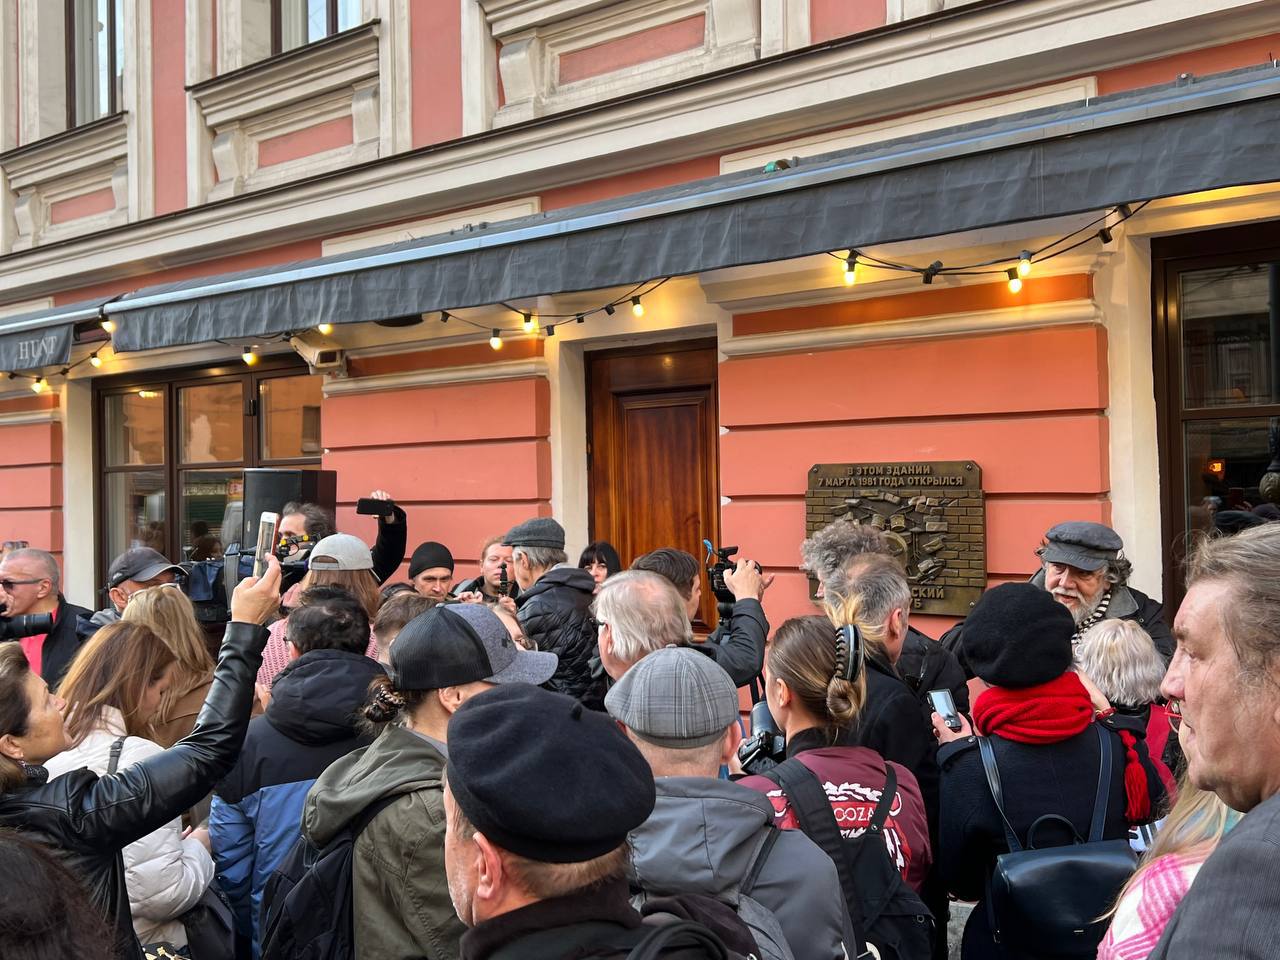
x: 134, y: 428
x: 134, y: 512
x: 1229, y: 334
x: 290, y: 417
x: 212, y: 422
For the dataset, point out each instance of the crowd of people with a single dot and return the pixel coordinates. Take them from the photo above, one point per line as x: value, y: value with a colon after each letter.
x: 547, y: 761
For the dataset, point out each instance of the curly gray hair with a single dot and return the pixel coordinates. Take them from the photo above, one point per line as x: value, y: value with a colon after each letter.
x: 828, y: 553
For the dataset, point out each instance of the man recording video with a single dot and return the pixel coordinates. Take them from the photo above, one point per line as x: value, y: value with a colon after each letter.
x: 30, y: 585
x: 303, y: 525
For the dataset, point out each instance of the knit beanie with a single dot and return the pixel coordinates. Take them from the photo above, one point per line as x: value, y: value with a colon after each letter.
x: 1018, y: 636
x: 428, y: 555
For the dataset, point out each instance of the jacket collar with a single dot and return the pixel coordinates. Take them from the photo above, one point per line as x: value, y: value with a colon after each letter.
x: 815, y: 738
x: 556, y: 926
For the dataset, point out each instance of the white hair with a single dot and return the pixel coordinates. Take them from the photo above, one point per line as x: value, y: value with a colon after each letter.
x: 1122, y: 659
x: 644, y: 613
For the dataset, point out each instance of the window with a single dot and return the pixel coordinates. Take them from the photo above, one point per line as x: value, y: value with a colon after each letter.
x: 295, y: 23
x: 95, y: 59
x: 173, y: 453
x: 1217, y: 383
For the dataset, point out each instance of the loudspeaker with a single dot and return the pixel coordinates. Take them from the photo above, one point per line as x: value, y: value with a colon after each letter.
x: 268, y: 490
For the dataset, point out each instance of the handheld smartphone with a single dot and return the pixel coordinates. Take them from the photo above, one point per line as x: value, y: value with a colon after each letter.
x: 944, y: 705
x: 372, y: 507
x: 267, y: 525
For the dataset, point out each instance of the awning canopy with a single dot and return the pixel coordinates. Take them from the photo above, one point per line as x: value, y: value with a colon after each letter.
x: 43, y: 338
x: 1185, y: 137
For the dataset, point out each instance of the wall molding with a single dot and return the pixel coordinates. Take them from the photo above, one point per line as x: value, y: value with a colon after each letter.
x: 19, y: 417
x: 430, y: 226
x: 916, y: 328
x: 472, y: 373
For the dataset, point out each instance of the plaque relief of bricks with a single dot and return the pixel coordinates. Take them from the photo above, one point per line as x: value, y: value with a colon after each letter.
x: 932, y: 511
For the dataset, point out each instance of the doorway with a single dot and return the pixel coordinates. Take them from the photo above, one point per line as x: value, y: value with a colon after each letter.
x: 652, y: 451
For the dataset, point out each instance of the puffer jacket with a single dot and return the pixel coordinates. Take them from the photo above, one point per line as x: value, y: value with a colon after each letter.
x: 400, y: 893
x: 87, y: 819
x: 257, y: 809
x: 701, y: 838
x: 556, y: 615
x: 165, y: 874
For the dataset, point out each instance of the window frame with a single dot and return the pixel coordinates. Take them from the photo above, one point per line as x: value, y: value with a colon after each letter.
x: 173, y: 467
x: 277, y: 25
x: 69, y: 31
x: 1170, y: 258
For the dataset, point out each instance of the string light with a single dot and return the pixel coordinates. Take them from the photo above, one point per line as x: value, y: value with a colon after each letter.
x: 608, y: 309
x: 495, y: 341
x: 931, y: 271
x: 530, y: 322
x: 109, y: 326
x: 250, y: 357
x: 1024, y: 263
x: 325, y: 328
x: 95, y: 359
x: 39, y: 384
x: 1105, y: 234
x: 1015, y: 281
x: 551, y: 329
x: 851, y: 269
x: 580, y: 318
x: 637, y: 308
x: 444, y: 316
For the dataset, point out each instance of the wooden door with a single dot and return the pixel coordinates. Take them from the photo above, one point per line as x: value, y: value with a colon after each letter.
x: 652, y: 434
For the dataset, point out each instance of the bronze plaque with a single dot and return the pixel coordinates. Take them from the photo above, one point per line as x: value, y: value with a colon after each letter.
x: 933, y: 511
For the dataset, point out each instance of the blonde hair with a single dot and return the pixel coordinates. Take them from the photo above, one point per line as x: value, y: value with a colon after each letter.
x: 1122, y: 659
x: 361, y: 584
x: 803, y: 654
x: 172, y: 618
x: 1194, y: 827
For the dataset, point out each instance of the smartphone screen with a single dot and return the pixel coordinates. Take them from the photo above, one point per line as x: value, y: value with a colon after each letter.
x: 267, y: 525
x: 945, y: 706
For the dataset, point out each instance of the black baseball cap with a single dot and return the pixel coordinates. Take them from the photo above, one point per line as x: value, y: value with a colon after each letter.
x: 141, y: 564
x: 459, y: 643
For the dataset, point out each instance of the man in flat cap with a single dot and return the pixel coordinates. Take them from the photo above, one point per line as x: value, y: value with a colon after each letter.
x: 554, y: 607
x: 1084, y: 567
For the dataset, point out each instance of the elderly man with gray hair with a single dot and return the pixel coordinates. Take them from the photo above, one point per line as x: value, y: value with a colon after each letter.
x: 638, y: 613
x: 1224, y: 684
x: 30, y: 584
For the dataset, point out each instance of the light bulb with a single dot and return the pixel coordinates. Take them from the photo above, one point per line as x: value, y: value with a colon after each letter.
x: 495, y: 341
x: 1024, y: 263
x: 637, y: 308
x: 530, y: 323
x: 324, y: 328
x: 1015, y: 281
x: 109, y: 326
x: 850, y: 272
x: 95, y: 360
x: 250, y: 357
x: 38, y: 385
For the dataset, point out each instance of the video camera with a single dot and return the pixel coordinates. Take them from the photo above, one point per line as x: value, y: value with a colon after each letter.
x: 766, y: 747
x: 719, y: 560
x: 26, y: 625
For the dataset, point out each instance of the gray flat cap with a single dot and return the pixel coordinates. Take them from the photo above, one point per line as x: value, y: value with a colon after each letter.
x: 675, y: 697
x: 1080, y: 543
x: 538, y: 532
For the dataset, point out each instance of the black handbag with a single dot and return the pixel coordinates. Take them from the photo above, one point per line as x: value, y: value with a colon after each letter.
x: 1051, y: 903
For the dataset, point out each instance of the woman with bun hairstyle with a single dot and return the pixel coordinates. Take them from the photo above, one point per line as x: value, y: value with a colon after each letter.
x: 440, y: 659
x: 1041, y: 720
x: 806, y: 671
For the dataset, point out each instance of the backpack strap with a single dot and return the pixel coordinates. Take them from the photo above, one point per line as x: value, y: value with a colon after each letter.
x: 763, y: 849
x: 812, y: 808
x: 997, y: 794
x: 1099, y: 821
x: 678, y: 934
x: 887, y: 795
x: 114, y: 763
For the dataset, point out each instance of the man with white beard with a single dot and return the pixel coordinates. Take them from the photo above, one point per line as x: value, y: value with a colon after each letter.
x: 1084, y: 567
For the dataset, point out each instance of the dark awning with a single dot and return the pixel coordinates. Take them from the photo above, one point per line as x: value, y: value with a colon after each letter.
x: 1181, y: 138
x: 43, y: 338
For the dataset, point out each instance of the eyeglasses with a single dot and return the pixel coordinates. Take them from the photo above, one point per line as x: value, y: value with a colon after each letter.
x: 9, y: 545
x: 8, y: 585
x: 596, y: 623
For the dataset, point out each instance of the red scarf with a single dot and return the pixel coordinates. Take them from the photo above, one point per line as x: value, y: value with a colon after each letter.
x: 1053, y: 712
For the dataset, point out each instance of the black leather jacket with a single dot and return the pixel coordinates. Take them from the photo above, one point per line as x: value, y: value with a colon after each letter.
x: 556, y: 614
x: 87, y: 819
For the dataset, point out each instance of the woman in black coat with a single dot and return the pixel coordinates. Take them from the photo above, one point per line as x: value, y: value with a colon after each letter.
x: 86, y: 819
x: 1040, y: 719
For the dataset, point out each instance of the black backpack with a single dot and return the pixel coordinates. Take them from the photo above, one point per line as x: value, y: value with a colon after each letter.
x: 307, y: 904
x: 1052, y: 902
x: 889, y: 919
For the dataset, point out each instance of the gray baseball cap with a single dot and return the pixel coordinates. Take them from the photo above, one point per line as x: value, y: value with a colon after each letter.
x: 675, y: 697
x: 456, y: 643
x: 341, y: 551
x: 140, y: 564
x: 1083, y: 544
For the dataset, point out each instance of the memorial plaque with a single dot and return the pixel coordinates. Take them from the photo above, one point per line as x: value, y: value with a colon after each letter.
x: 934, y: 513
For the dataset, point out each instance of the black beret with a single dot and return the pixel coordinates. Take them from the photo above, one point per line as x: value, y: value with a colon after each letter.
x: 1018, y: 636
x: 545, y: 779
x: 429, y: 555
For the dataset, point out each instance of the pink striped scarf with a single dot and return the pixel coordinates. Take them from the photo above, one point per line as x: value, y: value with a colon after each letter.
x: 1148, y: 905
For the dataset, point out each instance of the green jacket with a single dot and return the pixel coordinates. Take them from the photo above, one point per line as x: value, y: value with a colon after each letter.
x: 401, y: 895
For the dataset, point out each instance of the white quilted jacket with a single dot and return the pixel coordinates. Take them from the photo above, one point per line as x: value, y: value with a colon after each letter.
x: 166, y: 875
